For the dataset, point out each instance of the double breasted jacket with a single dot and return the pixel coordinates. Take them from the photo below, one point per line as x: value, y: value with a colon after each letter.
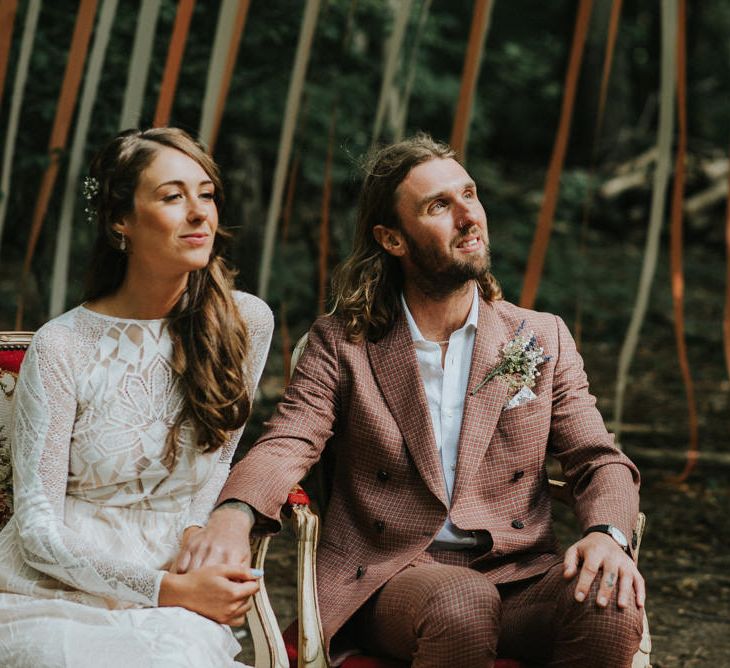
x: 388, y: 500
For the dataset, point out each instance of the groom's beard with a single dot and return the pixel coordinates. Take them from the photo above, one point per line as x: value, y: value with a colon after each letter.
x: 439, y: 274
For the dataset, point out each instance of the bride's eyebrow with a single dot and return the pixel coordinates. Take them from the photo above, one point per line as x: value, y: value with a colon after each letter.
x: 180, y: 183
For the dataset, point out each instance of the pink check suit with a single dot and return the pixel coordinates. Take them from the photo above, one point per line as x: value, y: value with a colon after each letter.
x: 388, y: 501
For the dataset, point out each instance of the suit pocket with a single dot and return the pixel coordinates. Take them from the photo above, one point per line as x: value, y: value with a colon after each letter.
x: 530, y: 421
x: 527, y: 409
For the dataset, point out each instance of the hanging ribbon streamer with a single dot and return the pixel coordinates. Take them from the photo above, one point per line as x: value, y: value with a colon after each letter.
x: 231, y: 21
x: 296, y: 85
x: 286, y: 216
x: 470, y: 75
x: 726, y: 319
x: 538, y: 250
x: 139, y: 64
x: 16, y: 103
x: 656, y: 216
x: 324, y: 225
x: 391, y: 64
x: 59, y: 281
x: 400, y: 126
x: 286, y: 342
x: 174, y: 60
x: 588, y: 202
x: 59, y: 134
x: 607, y: 64
x: 676, y: 233
x: 8, y: 10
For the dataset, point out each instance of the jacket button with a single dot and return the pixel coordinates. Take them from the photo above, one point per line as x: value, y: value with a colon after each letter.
x: 383, y: 475
x: 518, y: 524
x: 380, y: 526
x: 517, y: 475
x: 359, y: 572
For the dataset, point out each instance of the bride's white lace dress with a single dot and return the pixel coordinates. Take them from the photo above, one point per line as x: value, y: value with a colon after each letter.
x: 99, y: 506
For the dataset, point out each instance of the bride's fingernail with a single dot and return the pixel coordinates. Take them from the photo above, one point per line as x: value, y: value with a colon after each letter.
x: 257, y: 572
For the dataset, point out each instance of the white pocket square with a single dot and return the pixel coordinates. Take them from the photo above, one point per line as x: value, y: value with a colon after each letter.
x: 524, y: 396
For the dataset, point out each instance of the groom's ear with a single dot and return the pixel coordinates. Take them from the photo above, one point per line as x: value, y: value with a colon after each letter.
x: 391, y: 240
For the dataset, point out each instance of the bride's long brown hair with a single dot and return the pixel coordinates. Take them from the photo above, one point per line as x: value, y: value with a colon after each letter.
x: 210, y: 340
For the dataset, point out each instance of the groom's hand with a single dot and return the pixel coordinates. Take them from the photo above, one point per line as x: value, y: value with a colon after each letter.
x: 224, y: 541
x: 599, y: 556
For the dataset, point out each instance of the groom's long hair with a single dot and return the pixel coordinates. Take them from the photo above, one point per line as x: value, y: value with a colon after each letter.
x: 366, y: 287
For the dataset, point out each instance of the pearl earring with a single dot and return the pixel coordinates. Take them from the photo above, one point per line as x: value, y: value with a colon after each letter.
x: 123, y: 244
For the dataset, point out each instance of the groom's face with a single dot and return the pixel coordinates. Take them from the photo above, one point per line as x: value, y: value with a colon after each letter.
x: 443, y: 228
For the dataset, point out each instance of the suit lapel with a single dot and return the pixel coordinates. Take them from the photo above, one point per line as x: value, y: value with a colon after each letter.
x: 483, y: 408
x: 396, y: 371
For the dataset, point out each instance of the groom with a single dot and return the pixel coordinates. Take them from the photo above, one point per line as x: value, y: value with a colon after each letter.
x: 439, y: 402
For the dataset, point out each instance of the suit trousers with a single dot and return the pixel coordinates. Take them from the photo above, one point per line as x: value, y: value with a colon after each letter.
x: 439, y: 613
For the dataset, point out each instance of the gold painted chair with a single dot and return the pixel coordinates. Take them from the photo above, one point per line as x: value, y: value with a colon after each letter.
x: 302, y: 644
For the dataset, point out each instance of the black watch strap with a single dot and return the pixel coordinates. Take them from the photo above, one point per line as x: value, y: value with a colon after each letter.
x: 613, y: 532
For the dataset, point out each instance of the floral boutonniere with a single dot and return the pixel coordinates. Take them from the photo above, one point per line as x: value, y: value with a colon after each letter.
x: 520, y: 358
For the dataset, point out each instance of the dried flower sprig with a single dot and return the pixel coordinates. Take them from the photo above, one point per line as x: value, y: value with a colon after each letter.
x: 90, y: 190
x: 520, y: 358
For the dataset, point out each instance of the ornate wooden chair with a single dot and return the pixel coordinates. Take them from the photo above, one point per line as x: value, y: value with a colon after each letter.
x: 12, y: 350
x: 270, y: 650
x: 303, y: 641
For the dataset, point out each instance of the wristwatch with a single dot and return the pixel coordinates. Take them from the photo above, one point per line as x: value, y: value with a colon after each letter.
x: 612, y: 531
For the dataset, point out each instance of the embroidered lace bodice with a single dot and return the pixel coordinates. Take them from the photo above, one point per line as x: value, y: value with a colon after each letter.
x: 100, y: 504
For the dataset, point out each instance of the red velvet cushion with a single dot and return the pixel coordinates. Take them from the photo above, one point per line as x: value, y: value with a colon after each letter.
x: 297, y: 496
x: 10, y: 360
x: 290, y: 642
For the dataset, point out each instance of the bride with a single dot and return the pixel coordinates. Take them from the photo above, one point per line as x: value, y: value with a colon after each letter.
x: 127, y: 412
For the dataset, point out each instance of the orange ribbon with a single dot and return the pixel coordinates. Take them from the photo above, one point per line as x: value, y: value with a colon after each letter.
x: 228, y: 72
x: 174, y: 60
x: 538, y: 250
x: 469, y: 76
x: 61, y: 124
x: 8, y: 10
x: 676, y: 241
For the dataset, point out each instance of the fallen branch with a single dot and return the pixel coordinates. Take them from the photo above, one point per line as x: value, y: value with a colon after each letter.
x: 663, y: 455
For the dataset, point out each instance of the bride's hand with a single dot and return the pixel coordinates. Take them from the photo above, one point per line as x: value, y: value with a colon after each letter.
x: 221, y: 593
x: 225, y: 540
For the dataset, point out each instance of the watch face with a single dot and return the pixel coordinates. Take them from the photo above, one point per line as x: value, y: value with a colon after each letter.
x: 618, y: 536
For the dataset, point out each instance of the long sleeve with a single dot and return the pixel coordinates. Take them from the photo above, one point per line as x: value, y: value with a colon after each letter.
x: 297, y: 433
x: 604, y: 481
x: 260, y: 322
x: 44, y: 415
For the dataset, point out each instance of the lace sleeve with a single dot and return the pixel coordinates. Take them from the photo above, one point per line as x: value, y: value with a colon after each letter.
x: 43, y: 419
x: 260, y: 323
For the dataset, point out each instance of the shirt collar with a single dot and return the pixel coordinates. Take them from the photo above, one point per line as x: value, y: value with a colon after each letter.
x: 471, y: 321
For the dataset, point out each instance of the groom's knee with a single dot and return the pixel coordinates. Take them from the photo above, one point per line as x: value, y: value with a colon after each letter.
x: 464, y: 607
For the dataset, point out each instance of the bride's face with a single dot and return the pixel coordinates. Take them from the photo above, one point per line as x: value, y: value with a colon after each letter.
x: 175, y: 217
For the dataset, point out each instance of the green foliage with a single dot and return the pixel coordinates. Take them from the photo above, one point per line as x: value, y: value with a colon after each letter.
x: 515, y: 118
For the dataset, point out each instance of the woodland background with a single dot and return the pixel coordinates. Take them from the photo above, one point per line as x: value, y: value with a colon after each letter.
x: 598, y: 234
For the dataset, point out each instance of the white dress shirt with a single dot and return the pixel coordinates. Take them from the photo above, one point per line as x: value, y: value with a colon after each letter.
x: 445, y: 392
